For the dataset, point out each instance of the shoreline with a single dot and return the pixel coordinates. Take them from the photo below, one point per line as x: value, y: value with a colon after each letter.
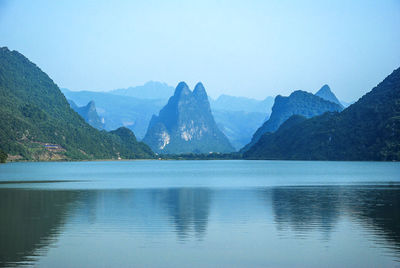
x: 198, y: 159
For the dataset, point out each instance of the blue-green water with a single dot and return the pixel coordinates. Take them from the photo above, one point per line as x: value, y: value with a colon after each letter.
x: 200, y: 214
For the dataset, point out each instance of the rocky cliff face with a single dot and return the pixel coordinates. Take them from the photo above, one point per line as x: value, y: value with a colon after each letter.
x: 298, y: 103
x: 186, y: 125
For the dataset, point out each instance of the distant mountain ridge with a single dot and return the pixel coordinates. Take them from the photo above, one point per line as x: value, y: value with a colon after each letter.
x: 238, y: 126
x: 298, y: 103
x: 117, y: 110
x: 89, y: 113
x: 367, y: 130
x: 233, y: 103
x: 186, y: 125
x: 150, y: 90
x: 239, y: 117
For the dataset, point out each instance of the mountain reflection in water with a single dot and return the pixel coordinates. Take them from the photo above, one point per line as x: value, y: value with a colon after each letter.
x: 34, y: 222
x: 31, y: 221
x: 304, y: 209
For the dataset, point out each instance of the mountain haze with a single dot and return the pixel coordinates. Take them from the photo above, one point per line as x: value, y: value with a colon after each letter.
x: 150, y: 90
x: 238, y: 126
x: 237, y: 117
x: 233, y: 103
x: 118, y: 111
x: 186, y: 125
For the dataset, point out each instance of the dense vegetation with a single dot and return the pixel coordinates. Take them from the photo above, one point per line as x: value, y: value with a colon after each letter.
x: 300, y: 103
x: 132, y: 148
x: 367, y: 130
x: 186, y: 125
x: 37, y: 122
x: 3, y: 157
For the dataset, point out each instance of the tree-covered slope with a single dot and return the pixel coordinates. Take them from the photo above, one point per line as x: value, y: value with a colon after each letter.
x: 186, y: 125
x: 367, y: 130
x: 131, y: 148
x: 298, y: 103
x: 37, y: 122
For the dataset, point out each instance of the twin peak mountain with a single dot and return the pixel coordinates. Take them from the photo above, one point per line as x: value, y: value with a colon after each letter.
x: 186, y: 125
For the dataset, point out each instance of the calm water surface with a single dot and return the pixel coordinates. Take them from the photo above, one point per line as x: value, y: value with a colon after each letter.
x: 200, y: 214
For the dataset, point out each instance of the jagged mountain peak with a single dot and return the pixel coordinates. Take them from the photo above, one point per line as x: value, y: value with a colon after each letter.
x: 326, y: 93
x: 186, y: 125
x: 91, y: 106
x: 200, y: 92
x: 199, y: 87
x: 182, y: 89
x: 325, y: 88
x: 89, y: 113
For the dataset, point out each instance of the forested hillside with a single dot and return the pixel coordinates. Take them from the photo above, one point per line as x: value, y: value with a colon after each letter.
x: 37, y: 122
x: 367, y: 130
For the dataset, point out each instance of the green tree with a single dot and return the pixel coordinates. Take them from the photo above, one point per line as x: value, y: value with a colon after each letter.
x: 3, y: 157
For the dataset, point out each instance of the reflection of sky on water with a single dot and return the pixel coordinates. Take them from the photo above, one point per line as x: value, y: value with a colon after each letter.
x: 342, y: 225
x: 193, y: 174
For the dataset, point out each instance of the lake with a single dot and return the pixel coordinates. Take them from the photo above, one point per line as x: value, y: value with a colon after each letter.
x: 200, y: 214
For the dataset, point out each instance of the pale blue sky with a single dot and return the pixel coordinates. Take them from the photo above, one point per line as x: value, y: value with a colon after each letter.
x: 245, y: 48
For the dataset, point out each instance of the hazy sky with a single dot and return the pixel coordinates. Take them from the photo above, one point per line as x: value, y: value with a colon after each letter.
x: 244, y: 48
